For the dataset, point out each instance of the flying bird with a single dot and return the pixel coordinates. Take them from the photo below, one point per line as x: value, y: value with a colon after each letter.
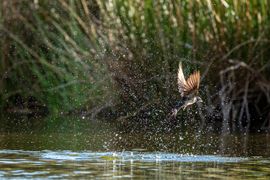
x: 188, y: 90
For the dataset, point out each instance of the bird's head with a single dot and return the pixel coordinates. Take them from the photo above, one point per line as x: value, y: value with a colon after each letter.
x: 198, y: 99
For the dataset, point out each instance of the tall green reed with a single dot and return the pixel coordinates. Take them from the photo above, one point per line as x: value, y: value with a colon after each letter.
x: 137, y: 45
x: 52, y: 55
x: 227, y: 40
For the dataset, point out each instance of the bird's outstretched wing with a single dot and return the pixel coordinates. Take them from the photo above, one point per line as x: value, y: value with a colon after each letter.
x: 193, y: 83
x: 190, y: 86
x: 181, y: 82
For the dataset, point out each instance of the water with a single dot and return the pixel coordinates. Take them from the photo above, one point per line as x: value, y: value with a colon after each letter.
x: 138, y: 165
x: 86, y: 149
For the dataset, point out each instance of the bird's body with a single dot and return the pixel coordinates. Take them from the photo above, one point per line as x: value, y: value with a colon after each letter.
x: 188, y: 90
x: 189, y: 102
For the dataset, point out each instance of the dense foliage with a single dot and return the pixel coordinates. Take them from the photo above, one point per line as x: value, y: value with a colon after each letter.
x: 124, y: 54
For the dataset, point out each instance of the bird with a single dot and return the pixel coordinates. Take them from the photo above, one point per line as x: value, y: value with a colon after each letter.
x: 188, y: 89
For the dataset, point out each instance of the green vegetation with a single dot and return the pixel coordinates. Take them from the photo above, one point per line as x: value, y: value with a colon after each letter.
x: 48, y: 55
x: 72, y: 54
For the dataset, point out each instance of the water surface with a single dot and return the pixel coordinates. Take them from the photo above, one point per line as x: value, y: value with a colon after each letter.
x: 91, y: 149
x: 138, y: 165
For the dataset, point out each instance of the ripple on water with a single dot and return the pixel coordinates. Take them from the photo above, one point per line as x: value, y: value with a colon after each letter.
x: 136, y: 156
x: 62, y: 164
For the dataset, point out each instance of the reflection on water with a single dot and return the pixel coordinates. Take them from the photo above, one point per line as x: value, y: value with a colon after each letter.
x: 85, y: 149
x: 139, y: 165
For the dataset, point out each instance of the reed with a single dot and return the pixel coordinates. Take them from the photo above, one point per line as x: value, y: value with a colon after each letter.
x: 70, y: 54
x: 227, y: 40
x: 49, y: 53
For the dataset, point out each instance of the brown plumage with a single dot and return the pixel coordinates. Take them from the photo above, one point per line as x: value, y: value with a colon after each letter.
x: 190, y: 86
x: 188, y: 90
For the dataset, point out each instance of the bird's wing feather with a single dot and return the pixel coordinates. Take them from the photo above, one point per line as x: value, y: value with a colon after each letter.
x: 181, y: 80
x: 192, y: 84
